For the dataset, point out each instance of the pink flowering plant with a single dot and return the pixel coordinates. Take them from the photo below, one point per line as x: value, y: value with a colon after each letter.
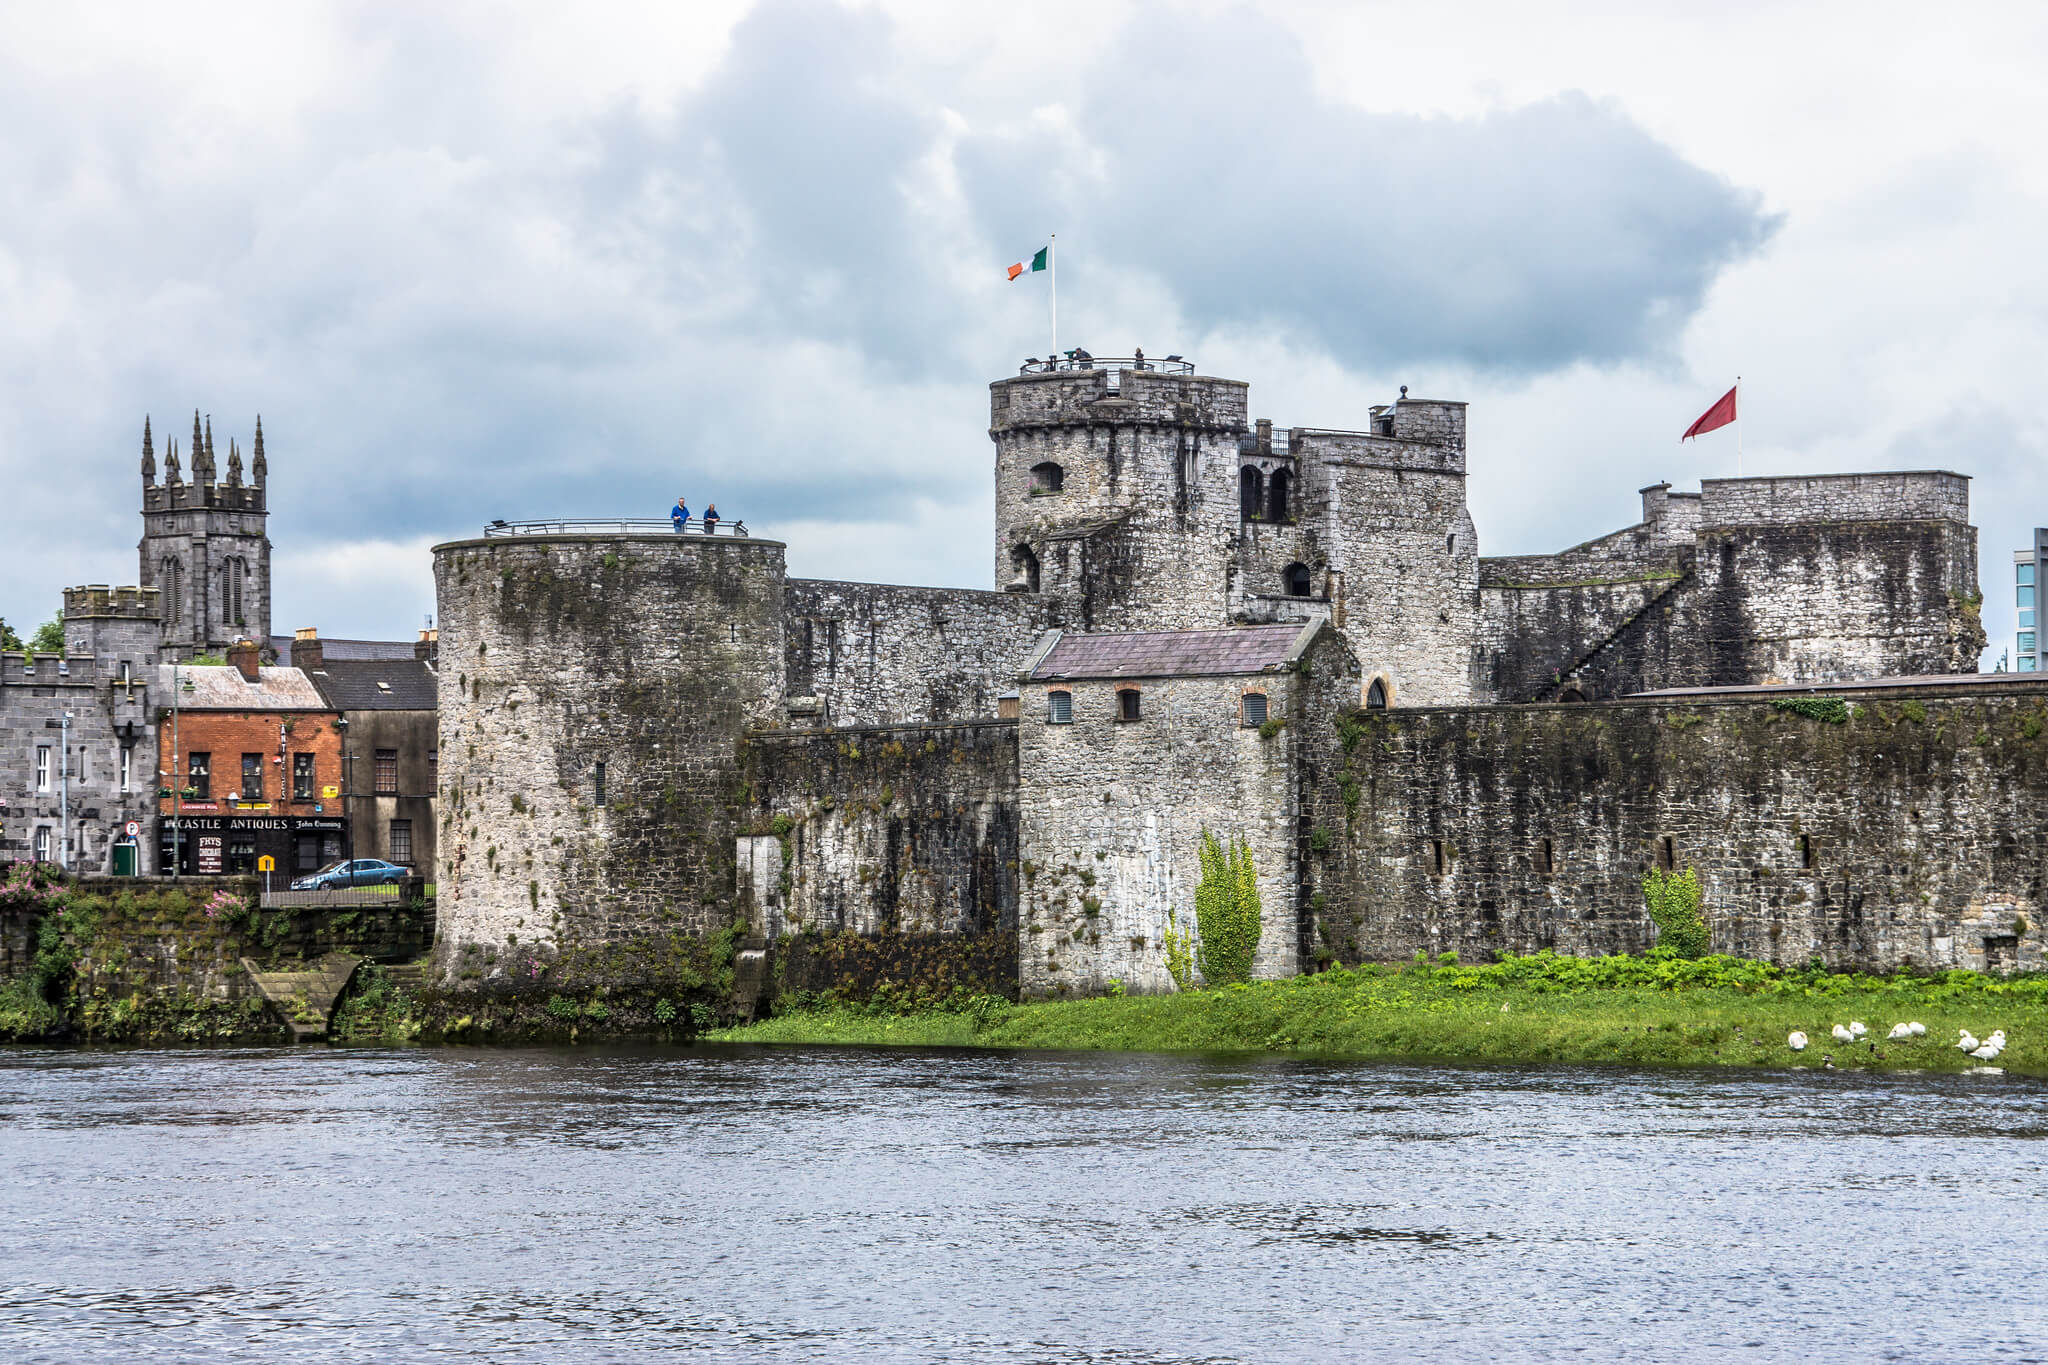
x: 224, y: 903
x: 30, y: 886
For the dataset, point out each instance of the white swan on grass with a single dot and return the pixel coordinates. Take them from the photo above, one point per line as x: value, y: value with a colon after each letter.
x: 1968, y: 1042
x: 1842, y: 1035
x: 1796, y: 1041
x: 1900, y: 1030
x: 1856, y: 1028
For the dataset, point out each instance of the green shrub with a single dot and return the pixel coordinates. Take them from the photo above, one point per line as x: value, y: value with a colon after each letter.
x: 1831, y: 710
x: 1180, y: 953
x: 1674, y: 901
x: 1227, y: 912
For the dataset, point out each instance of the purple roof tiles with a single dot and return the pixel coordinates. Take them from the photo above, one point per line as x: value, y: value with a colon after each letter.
x: 1171, y: 653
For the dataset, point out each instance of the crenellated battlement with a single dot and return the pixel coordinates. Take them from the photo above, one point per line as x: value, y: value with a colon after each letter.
x: 97, y: 599
x: 1107, y: 394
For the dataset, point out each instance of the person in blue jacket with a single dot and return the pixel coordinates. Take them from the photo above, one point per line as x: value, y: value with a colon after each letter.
x: 680, y: 514
x: 710, y: 518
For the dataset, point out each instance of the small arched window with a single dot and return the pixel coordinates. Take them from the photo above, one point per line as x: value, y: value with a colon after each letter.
x: 1251, y: 486
x: 1047, y: 478
x: 1023, y: 570
x: 1300, y: 582
x: 1571, y: 694
x: 1254, y: 713
x: 1451, y: 543
x: 1059, y: 708
x: 1276, y: 496
x: 1376, y: 696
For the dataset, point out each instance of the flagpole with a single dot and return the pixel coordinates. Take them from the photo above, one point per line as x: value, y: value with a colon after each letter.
x: 1052, y: 270
x: 1738, y: 426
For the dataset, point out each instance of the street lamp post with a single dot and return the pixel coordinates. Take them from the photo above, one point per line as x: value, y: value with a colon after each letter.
x: 348, y: 787
x: 64, y: 798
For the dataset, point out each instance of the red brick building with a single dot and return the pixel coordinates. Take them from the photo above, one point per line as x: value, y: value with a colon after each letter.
x: 249, y: 765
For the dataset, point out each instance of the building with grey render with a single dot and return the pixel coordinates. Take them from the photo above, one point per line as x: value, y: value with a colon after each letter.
x: 2028, y: 567
x: 644, y: 734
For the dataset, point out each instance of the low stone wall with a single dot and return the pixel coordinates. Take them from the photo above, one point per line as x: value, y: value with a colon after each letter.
x: 1907, y: 836
x: 903, y: 833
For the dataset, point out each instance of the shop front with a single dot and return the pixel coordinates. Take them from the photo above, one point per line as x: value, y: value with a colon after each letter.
x: 217, y: 845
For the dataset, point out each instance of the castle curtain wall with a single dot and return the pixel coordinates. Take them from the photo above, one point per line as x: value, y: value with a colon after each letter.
x: 1909, y: 836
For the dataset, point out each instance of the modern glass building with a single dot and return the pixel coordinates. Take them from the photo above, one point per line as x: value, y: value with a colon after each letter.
x: 2027, y: 573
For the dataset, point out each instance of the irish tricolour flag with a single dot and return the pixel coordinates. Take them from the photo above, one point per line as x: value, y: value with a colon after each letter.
x: 1037, y: 263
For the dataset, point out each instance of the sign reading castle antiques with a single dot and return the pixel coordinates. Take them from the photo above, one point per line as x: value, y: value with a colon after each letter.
x: 216, y: 844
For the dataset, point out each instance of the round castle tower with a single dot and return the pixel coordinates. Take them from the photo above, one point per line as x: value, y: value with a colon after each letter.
x: 594, y: 690
x: 1114, y: 492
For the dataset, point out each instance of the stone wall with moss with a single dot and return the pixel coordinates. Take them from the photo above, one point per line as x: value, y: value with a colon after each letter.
x: 885, y: 855
x: 123, y: 960
x: 594, y: 694
x: 1879, y: 828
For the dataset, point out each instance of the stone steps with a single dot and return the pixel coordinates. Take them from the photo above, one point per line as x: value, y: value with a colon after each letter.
x: 304, y: 999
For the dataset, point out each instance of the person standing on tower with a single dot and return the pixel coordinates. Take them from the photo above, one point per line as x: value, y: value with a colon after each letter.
x: 710, y: 518
x: 680, y: 514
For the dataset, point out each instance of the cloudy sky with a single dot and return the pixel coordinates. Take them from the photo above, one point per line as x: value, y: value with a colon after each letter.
x: 528, y: 260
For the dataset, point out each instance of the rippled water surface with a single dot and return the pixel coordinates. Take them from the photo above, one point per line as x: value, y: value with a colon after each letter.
x: 839, y: 1204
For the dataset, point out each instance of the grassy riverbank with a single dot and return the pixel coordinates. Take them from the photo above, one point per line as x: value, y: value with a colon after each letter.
x: 1653, y: 1010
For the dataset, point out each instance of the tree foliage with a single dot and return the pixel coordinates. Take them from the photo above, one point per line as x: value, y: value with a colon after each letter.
x: 1227, y: 912
x: 1674, y: 901
x: 49, y: 637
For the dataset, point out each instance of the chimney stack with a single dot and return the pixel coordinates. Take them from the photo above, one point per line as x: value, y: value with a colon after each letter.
x: 428, y: 646
x: 307, y: 651
x: 243, y: 655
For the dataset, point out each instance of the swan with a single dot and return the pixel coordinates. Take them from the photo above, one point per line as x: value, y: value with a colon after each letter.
x: 1988, y: 1052
x: 1842, y: 1035
x: 1968, y: 1042
x: 1919, y: 1029
x: 1856, y: 1028
x: 1796, y: 1041
x: 1900, y: 1030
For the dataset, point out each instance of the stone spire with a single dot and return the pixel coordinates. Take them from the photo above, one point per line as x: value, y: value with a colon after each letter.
x: 257, y: 466
x: 148, y: 453
x: 197, y: 450
x: 209, y: 452
x: 171, y: 474
x: 234, y: 464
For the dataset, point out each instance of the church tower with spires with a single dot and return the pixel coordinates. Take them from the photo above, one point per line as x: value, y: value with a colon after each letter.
x: 205, y: 547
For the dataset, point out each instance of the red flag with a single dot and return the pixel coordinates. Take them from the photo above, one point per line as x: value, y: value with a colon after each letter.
x: 1719, y: 415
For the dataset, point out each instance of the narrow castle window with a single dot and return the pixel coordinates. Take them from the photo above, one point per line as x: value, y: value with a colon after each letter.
x: 1048, y: 478
x: 1806, y: 850
x: 1451, y: 543
x: 1127, y: 703
x: 1251, y: 492
x: 1667, y: 854
x: 1059, y: 708
x: 1276, y: 496
x: 1376, y: 696
x: 1023, y: 570
x: 597, y: 785
x: 1546, y: 858
x: 1439, y: 859
x: 1254, y: 713
x: 1300, y: 582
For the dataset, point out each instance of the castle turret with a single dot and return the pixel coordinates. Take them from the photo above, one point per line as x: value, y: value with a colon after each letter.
x: 1115, y: 490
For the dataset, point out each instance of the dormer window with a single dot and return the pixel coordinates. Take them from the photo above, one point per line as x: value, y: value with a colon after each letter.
x: 1047, y: 478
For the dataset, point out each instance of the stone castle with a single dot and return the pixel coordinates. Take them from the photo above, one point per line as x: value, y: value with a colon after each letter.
x: 1204, y: 623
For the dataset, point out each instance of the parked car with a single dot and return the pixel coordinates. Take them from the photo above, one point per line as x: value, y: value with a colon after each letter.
x: 367, y: 872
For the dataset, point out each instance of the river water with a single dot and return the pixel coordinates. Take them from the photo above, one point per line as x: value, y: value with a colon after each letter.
x: 729, y: 1203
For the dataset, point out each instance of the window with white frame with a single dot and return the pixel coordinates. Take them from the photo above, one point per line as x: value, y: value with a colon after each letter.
x: 127, y: 768
x: 42, y: 843
x: 42, y: 767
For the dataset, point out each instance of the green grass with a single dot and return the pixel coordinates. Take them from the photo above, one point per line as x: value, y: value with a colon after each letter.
x: 1650, y: 1010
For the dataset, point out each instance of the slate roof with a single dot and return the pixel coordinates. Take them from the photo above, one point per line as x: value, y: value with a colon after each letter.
x: 377, y: 684
x: 1173, y: 653
x: 349, y: 649
x: 221, y: 687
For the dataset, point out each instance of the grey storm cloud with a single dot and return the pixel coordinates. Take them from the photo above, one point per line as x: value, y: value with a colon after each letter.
x: 1524, y: 240
x: 449, y: 306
